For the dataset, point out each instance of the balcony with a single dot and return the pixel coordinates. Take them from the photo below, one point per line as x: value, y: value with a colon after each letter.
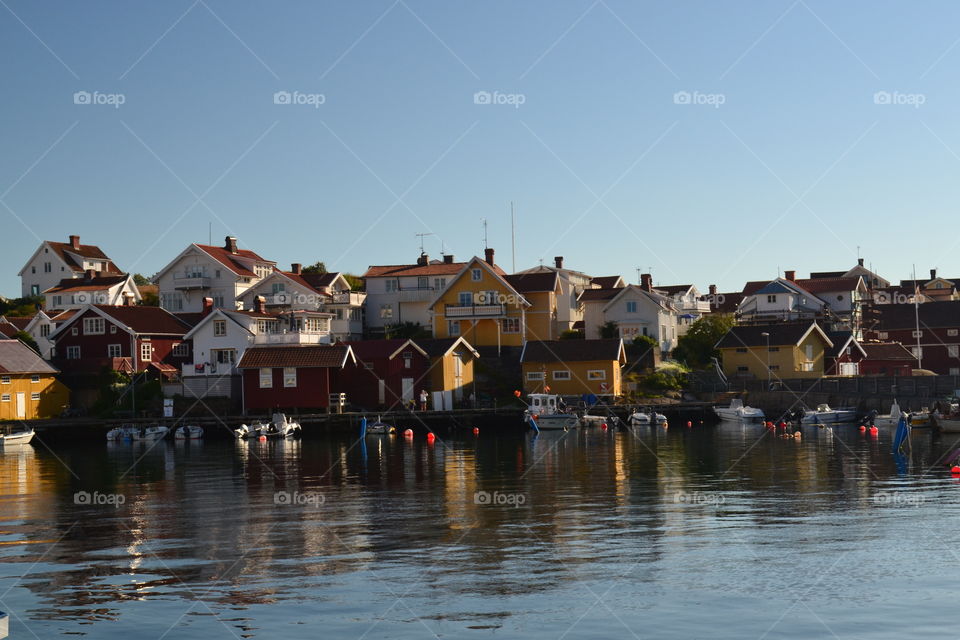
x: 292, y: 337
x: 475, y: 311
x: 416, y: 295
x: 191, y: 282
x: 351, y: 298
x: 210, y: 369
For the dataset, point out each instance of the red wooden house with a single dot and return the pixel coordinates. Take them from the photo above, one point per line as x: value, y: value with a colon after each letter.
x: 887, y: 359
x: 390, y: 373
x: 935, y: 342
x: 130, y: 339
x: 293, y: 377
x: 844, y: 357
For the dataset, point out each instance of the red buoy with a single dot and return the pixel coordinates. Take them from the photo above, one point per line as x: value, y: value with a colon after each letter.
x: 955, y: 470
x: 408, y: 433
x: 476, y: 431
x: 689, y: 423
x: 603, y: 426
x: 430, y: 436
x: 862, y: 428
x: 874, y: 431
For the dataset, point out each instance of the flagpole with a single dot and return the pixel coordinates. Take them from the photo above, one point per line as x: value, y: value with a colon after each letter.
x: 916, y: 313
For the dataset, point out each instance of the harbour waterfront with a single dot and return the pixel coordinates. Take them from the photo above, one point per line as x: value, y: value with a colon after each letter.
x: 716, y: 530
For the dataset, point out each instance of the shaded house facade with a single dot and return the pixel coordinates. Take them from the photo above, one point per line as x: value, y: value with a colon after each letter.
x: 887, y: 359
x: 29, y: 389
x: 56, y: 261
x: 572, y: 283
x: 844, y: 357
x: 125, y: 339
x: 390, y: 374
x: 573, y: 367
x: 795, y: 350
x: 452, y: 368
x: 935, y: 344
x: 294, y: 377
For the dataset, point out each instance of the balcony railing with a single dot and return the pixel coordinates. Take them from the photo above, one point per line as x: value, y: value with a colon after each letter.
x: 353, y: 298
x: 191, y: 282
x: 417, y: 295
x: 210, y: 369
x: 475, y: 310
x: 293, y: 337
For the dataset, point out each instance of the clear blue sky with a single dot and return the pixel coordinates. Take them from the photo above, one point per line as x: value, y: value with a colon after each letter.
x: 795, y: 169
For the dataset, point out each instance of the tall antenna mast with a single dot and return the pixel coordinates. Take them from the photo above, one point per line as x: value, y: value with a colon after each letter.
x: 638, y: 274
x: 210, y: 233
x: 422, y: 236
x: 513, y: 240
x: 485, y: 245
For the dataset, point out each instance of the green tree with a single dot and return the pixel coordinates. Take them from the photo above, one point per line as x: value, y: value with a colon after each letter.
x: 609, y: 330
x: 571, y: 334
x: 140, y: 280
x: 356, y: 282
x: 645, y: 342
x: 407, y: 330
x: 696, y: 347
x: 316, y: 267
x: 28, y: 340
x: 149, y: 299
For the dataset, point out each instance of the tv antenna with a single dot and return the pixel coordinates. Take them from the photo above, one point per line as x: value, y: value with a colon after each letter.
x: 485, y: 245
x: 422, y: 236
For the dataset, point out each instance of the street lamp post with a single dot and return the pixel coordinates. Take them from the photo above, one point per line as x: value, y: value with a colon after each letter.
x: 769, y: 372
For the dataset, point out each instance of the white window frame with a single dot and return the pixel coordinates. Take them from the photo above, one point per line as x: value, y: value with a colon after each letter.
x: 5, y: 397
x: 4, y: 379
x: 596, y: 374
x: 146, y: 352
x: 563, y: 374
x: 916, y: 333
x: 386, y: 311
x: 453, y: 327
x: 95, y: 326
x: 510, y: 325
x: 535, y: 376
x: 219, y: 328
x: 181, y: 349
x: 289, y: 377
x: 266, y: 378
x: 631, y: 306
x: 476, y: 275
x: 35, y: 379
x: 952, y: 332
x: 953, y: 351
x: 35, y: 397
x: 883, y: 335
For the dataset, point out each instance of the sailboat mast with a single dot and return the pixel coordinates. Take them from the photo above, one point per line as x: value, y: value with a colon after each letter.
x: 916, y: 314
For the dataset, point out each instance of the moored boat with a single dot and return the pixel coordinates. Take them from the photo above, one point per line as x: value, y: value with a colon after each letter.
x: 20, y: 437
x: 889, y: 419
x: 379, y: 428
x: 823, y: 414
x: 281, y: 427
x: 949, y: 425
x: 738, y: 411
x: 544, y: 411
x: 188, y: 432
x: 156, y: 432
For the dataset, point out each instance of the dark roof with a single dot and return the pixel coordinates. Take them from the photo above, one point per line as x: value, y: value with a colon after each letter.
x: 531, y: 282
x: 16, y: 357
x: 376, y: 349
x: 318, y: 280
x: 840, y: 340
x: 826, y: 274
x: 674, y: 289
x: 8, y: 330
x: 827, y: 285
x: 20, y: 322
x: 228, y: 259
x: 571, y: 350
x: 436, y: 347
x: 86, y: 250
x: 724, y: 302
x: 599, y: 294
x: 605, y: 282
x: 308, y: 356
x: 190, y: 318
x: 146, y: 320
x: 944, y: 313
x: 752, y: 335
x: 96, y: 283
x: 887, y: 351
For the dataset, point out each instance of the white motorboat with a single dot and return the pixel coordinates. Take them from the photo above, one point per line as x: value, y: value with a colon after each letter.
x: 21, y: 437
x: 889, y: 419
x: 639, y: 418
x: 738, y: 411
x: 825, y: 415
x: 188, y: 432
x: 544, y: 411
x: 156, y: 432
x: 920, y: 419
x: 949, y: 425
x: 280, y: 427
x: 380, y: 428
x: 253, y: 430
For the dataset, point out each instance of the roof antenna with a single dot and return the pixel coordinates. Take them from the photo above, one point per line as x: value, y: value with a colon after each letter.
x: 422, y: 236
x: 485, y: 245
x: 638, y: 275
x: 513, y: 240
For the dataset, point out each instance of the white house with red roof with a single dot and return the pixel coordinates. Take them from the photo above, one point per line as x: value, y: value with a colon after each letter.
x: 93, y: 288
x: 205, y: 271
x: 400, y: 293
x: 56, y: 261
x: 636, y: 310
x: 295, y: 290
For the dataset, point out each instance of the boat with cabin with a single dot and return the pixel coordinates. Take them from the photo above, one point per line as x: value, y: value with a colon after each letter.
x: 547, y: 412
x: 738, y: 411
x: 823, y: 414
x: 18, y: 438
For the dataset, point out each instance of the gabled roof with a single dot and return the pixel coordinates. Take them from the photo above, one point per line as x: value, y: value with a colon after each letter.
x: 675, y: 289
x: 432, y: 268
x: 232, y: 315
x: 20, y: 322
x: 573, y: 350
x: 608, y: 282
x: 440, y: 347
x: 495, y: 271
x: 841, y: 340
x: 133, y: 319
x: 97, y: 283
x: 534, y: 282
x: 780, y: 335
x: 91, y: 251
x: 385, y: 349
x: 228, y: 259
x: 8, y: 330
x: 656, y: 298
x: 829, y: 285
x: 300, y: 356
x: 16, y: 357
x: 724, y: 302
x: 887, y: 351
x: 588, y: 295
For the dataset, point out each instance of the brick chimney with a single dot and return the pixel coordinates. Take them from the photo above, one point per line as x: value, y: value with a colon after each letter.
x: 646, y: 282
x: 296, y: 268
x: 790, y: 275
x: 260, y: 304
x: 207, y: 307
x: 75, y: 242
x: 558, y: 261
x: 448, y: 258
x: 230, y: 244
x: 488, y: 254
x: 423, y: 260
x: 89, y: 274
x: 713, y: 289
x: 860, y: 261
x: 933, y: 274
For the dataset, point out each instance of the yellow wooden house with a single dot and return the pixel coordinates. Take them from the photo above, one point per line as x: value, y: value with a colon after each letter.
x: 28, y: 387
x: 451, y: 366
x: 789, y: 350
x: 573, y: 367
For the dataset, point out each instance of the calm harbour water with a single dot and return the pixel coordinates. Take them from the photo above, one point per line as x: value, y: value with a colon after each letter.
x: 716, y: 531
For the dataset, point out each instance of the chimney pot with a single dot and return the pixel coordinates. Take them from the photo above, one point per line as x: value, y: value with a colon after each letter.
x: 488, y: 254
x: 713, y: 289
x: 860, y: 261
x: 933, y: 274
x: 558, y: 261
x: 448, y: 258
x: 207, y: 307
x: 423, y: 260
x: 261, y: 304
x: 90, y: 274
x: 790, y: 275
x: 230, y: 244
x: 296, y: 268
x: 646, y: 282
x: 75, y: 242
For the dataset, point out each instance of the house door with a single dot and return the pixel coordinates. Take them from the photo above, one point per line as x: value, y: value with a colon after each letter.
x: 458, y: 377
x: 382, y: 391
x: 406, y: 389
x: 21, y: 405
x: 809, y: 353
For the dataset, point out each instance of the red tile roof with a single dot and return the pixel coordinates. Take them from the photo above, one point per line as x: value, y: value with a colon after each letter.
x: 827, y: 285
x: 227, y: 259
x: 310, y: 356
x: 146, y: 320
x: 605, y: 282
x: 97, y: 283
x: 86, y: 250
x: 20, y: 322
x: 8, y: 330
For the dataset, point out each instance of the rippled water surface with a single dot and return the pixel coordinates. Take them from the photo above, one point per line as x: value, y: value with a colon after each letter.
x: 706, y: 532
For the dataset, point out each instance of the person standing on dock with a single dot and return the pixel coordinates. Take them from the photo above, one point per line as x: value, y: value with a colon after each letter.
x: 423, y: 400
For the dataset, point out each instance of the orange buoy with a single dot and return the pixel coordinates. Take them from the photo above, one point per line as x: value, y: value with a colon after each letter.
x: 430, y: 436
x: 476, y: 431
x: 862, y: 428
x: 874, y: 431
x: 408, y: 433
